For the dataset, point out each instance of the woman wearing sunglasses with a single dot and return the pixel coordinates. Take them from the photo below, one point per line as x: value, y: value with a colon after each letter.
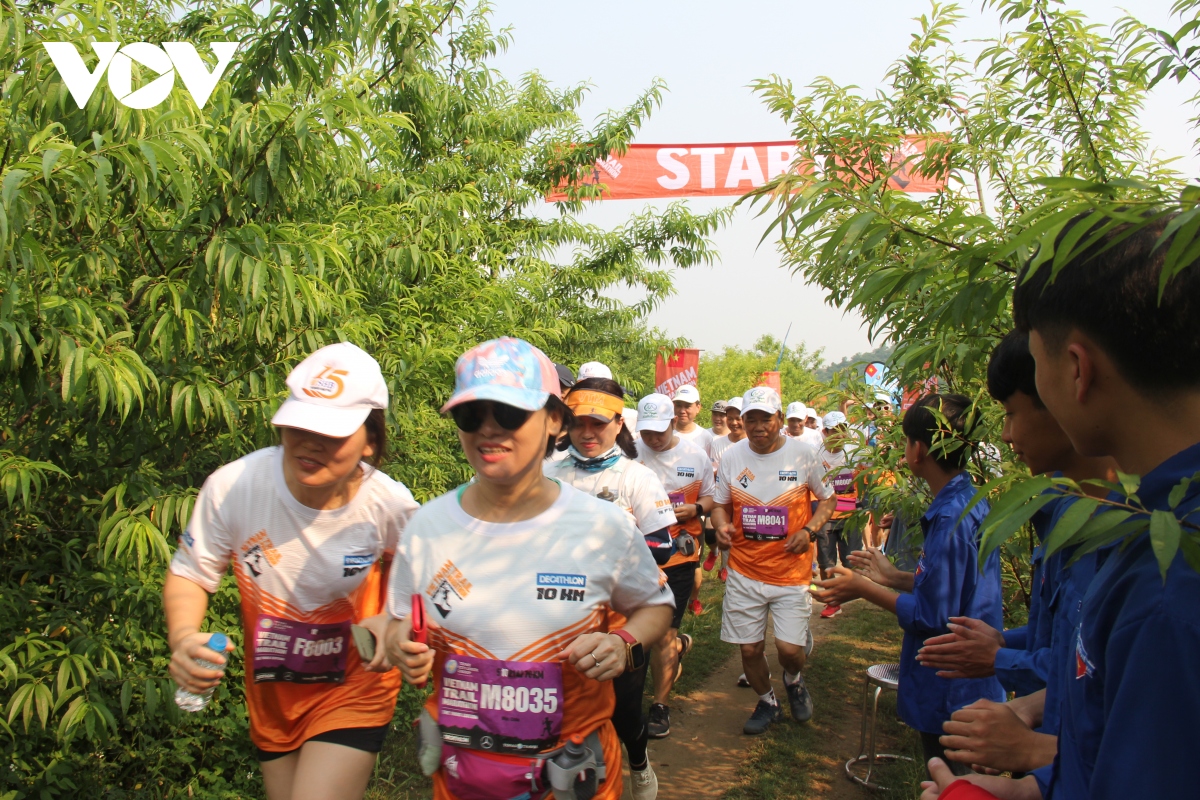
x: 517, y: 573
x: 601, y: 463
x: 310, y: 528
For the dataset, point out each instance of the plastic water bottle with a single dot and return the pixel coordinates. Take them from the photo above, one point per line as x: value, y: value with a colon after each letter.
x: 196, y: 702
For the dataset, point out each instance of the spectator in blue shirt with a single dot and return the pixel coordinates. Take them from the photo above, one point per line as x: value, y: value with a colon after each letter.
x: 948, y: 581
x: 1002, y: 736
x: 1116, y: 350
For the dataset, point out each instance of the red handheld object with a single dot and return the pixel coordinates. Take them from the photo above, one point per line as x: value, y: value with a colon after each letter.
x: 420, y: 629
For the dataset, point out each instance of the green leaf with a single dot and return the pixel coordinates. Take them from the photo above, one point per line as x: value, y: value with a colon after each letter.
x: 1164, y: 539
x: 12, y: 182
x: 997, y: 529
x: 48, y: 160
x: 1070, y: 522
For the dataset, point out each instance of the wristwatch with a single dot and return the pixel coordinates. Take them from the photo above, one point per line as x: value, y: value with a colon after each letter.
x: 635, y: 655
x: 699, y: 510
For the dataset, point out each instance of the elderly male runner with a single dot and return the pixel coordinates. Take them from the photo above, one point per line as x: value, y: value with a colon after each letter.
x: 763, y: 514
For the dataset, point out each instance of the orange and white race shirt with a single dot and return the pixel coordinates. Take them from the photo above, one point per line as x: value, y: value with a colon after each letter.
x: 685, y: 473
x: 304, y: 575
x: 523, y: 591
x: 772, y: 498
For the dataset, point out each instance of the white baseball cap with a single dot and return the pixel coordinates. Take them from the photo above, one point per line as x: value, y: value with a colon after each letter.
x: 655, y: 412
x: 812, y: 414
x: 594, y: 369
x: 333, y: 391
x: 833, y: 419
x: 735, y: 402
x: 761, y: 398
x: 687, y: 394
x: 630, y: 415
x: 796, y: 410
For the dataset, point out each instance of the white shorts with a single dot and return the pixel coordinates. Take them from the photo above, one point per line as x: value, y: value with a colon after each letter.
x: 747, y: 601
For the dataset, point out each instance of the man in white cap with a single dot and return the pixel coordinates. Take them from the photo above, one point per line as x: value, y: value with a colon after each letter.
x: 764, y: 516
x: 795, y: 419
x: 687, y: 407
x: 594, y: 369
x: 812, y: 428
x: 685, y: 471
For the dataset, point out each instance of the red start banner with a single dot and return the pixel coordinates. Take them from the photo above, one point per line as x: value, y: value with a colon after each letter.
x: 680, y: 369
x: 714, y: 170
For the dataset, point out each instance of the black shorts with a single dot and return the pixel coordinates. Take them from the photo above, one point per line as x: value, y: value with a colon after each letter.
x: 682, y: 579
x: 367, y: 739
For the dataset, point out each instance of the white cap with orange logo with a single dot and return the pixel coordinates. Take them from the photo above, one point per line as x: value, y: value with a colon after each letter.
x: 333, y: 391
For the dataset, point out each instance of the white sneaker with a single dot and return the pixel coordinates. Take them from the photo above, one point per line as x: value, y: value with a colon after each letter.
x: 645, y: 783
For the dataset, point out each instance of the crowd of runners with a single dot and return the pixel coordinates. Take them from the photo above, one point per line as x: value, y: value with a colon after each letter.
x: 536, y: 597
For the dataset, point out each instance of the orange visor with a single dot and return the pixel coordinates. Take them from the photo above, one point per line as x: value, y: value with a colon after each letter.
x: 590, y: 403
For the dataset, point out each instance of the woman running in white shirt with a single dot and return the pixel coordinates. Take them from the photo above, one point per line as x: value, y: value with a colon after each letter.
x: 520, y: 576
x: 310, y: 528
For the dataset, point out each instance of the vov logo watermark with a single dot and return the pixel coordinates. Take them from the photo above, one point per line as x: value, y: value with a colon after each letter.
x: 171, y: 58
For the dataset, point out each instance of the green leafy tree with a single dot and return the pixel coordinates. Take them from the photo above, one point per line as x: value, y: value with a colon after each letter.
x: 1038, y: 130
x: 359, y: 174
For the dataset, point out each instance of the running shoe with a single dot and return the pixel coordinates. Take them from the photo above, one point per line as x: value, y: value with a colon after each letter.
x: 723, y: 574
x: 830, y: 611
x: 744, y: 683
x: 800, y: 701
x: 764, y: 714
x: 697, y: 609
x: 711, y: 561
x: 645, y: 783
x: 660, y: 721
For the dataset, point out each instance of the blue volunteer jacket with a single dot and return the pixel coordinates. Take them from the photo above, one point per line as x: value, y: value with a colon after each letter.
x: 1023, y: 664
x: 1065, y: 586
x: 948, y: 584
x: 1128, y: 727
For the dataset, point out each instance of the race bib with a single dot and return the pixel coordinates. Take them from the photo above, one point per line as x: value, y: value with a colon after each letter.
x: 764, y: 523
x: 300, y: 652
x: 676, y: 498
x: 508, y: 707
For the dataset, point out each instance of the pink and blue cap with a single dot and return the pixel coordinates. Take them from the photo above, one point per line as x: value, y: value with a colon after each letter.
x: 504, y: 370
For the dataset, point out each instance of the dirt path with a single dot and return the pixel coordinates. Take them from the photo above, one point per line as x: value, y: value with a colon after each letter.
x: 706, y: 748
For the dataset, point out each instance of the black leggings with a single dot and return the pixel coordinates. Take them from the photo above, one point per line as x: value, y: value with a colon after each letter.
x: 627, y: 717
x: 367, y: 739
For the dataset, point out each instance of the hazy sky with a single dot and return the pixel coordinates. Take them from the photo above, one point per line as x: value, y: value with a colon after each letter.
x: 708, y: 52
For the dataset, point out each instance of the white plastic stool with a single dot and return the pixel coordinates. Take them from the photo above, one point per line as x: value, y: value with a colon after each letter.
x: 879, y: 677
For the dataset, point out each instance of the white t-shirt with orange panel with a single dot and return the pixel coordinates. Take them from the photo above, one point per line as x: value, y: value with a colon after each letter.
x: 504, y: 600
x: 685, y: 472
x: 772, y: 498
x: 304, y: 576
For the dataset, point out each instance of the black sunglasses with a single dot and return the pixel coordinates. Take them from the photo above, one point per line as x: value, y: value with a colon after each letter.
x: 469, y: 417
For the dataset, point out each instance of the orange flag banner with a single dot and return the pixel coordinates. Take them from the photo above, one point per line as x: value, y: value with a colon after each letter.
x: 771, y: 379
x: 680, y: 369
x: 730, y: 169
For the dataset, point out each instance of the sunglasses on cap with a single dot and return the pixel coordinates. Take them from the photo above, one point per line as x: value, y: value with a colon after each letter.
x: 469, y: 417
